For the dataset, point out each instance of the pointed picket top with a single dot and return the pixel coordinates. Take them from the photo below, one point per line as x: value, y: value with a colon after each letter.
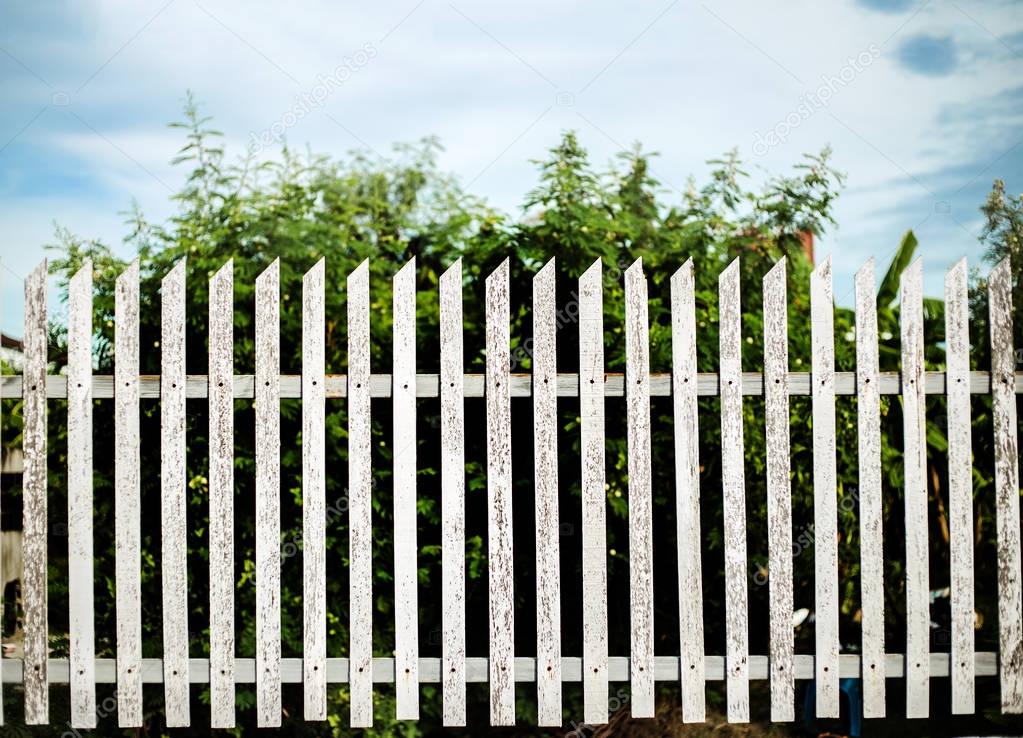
x: 777, y: 274
x: 1001, y: 270
x: 865, y: 274
x: 685, y: 271
x: 226, y: 272
x: 956, y: 269
x: 407, y: 271
x: 500, y: 272
x: 82, y: 279
x: 453, y: 274
x: 272, y: 271
x: 730, y: 272
x: 130, y: 274
x: 175, y: 274
x: 40, y: 272
x: 315, y: 272
x: 84, y: 273
x: 546, y: 273
x: 592, y: 272
x: 912, y: 274
x: 636, y: 266
x: 359, y: 270
x: 822, y: 270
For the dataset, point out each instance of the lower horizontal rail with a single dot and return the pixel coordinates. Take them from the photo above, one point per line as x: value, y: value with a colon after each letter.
x: 666, y: 669
x: 521, y: 385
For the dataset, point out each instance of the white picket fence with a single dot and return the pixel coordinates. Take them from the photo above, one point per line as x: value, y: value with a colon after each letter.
x: 691, y: 668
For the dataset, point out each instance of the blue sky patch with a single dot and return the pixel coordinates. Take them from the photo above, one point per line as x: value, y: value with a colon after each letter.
x: 932, y: 56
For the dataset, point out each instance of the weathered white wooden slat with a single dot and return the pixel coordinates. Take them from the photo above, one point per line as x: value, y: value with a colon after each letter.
x: 452, y: 475
x: 360, y: 512
x: 173, y: 498
x: 545, y: 475
x: 81, y: 609
x: 734, y: 483
x: 687, y: 492
x: 499, y: 499
x: 868, y: 408
x: 641, y: 555
x: 268, y: 497
x: 779, y: 494
x: 1010, y: 597
x: 127, y: 498
x: 406, y: 551
x: 221, y: 492
x: 314, y: 520
x: 34, y: 488
x: 594, y: 495
x: 918, y: 616
x: 825, y: 490
x: 960, y: 485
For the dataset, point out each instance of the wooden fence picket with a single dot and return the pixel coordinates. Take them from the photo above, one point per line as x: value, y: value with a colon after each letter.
x: 687, y: 493
x: 641, y: 548
x: 734, y: 486
x: 868, y: 411
x: 268, y: 496
x: 221, y: 494
x: 594, y: 495
x: 81, y: 618
x: 127, y: 502
x: 499, y: 499
x: 173, y: 499
x: 545, y: 475
x: 360, y: 511
x: 825, y: 500
x: 406, y: 567
x: 779, y: 494
x: 960, y: 485
x: 452, y: 473
x: 34, y: 493
x: 1003, y: 405
x: 314, y: 505
x: 918, y: 614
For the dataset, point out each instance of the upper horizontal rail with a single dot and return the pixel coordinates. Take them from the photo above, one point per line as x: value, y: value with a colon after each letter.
x: 428, y: 385
x: 666, y: 669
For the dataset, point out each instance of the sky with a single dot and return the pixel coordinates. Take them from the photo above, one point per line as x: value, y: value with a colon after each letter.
x: 921, y: 100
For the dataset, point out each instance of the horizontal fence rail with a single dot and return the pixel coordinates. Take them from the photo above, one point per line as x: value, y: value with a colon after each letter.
x: 502, y: 669
x: 477, y: 669
x: 708, y: 384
